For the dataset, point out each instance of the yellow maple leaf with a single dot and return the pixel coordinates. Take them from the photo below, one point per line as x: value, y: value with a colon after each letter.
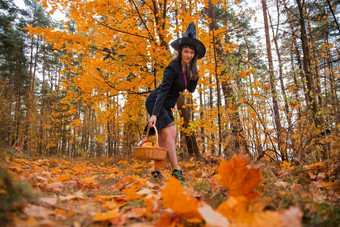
x: 181, y: 203
x: 238, y: 177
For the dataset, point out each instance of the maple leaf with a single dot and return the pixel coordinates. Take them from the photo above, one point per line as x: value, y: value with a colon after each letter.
x: 113, y: 204
x: 74, y: 196
x: 238, y: 177
x: 54, y: 187
x: 240, y: 212
x: 112, y: 214
x: 181, y: 203
x: 133, y: 213
x: 153, y: 205
x: 63, y: 178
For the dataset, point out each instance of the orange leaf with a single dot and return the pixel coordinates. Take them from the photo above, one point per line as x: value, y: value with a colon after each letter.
x: 88, y: 180
x: 240, y: 213
x: 112, y: 205
x: 153, y: 205
x: 54, y: 187
x: 233, y: 206
x: 238, y: 177
x: 63, y: 178
x: 30, y: 221
x: 182, y: 204
x: 105, y: 216
x: 133, y: 213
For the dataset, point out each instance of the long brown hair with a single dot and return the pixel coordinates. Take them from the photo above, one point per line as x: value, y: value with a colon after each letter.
x: 192, y: 68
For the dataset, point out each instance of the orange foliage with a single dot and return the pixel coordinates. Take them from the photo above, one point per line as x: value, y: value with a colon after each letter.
x: 130, y: 197
x: 240, y: 212
x: 239, y: 177
x: 181, y: 203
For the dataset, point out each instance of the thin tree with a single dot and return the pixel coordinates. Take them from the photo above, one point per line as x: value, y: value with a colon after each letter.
x: 272, y: 83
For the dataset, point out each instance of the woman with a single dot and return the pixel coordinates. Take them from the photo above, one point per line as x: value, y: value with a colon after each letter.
x: 180, y: 74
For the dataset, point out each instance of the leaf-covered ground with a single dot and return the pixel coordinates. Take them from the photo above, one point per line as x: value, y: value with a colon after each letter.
x: 216, y: 192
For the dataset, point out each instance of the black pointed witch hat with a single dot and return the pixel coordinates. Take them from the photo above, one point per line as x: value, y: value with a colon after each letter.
x: 189, y: 38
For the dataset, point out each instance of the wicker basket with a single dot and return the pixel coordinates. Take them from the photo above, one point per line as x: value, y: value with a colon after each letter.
x: 151, y: 153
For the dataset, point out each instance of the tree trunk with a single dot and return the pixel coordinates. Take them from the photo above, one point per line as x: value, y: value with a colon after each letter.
x: 42, y: 107
x: 203, y: 141
x: 283, y: 90
x: 306, y: 65
x: 211, y: 105
x: 298, y: 55
x: 191, y: 138
x: 272, y: 83
x: 315, y: 65
x: 217, y: 53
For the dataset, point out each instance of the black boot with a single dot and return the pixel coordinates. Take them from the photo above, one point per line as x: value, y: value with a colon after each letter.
x: 178, y: 174
x: 157, y: 175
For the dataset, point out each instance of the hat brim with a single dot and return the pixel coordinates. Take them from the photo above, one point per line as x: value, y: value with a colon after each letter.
x: 200, y: 48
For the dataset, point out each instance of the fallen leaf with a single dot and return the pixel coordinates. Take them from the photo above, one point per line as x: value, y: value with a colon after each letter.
x: 144, y: 191
x: 63, y: 178
x: 89, y: 180
x: 280, y: 184
x: 54, y: 187
x: 240, y: 213
x: 113, y: 204
x: 315, y: 166
x: 152, y: 205
x: 133, y: 213
x: 233, y: 206
x: 291, y: 217
x: 49, y: 200
x: 212, y: 218
x: 134, y: 187
x: 238, y: 177
x: 182, y: 204
x: 77, y: 195
x: 335, y: 185
x: 168, y: 219
x: 38, y: 211
x: 103, y: 197
x: 105, y: 216
x: 29, y: 222
x: 214, y: 184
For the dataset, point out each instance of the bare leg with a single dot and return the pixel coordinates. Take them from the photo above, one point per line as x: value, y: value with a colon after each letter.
x: 166, y: 139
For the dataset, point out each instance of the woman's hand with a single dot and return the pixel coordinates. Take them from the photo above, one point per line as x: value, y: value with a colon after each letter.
x: 152, y: 120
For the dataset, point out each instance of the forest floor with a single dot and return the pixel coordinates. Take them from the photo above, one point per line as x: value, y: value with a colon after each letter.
x: 44, y: 191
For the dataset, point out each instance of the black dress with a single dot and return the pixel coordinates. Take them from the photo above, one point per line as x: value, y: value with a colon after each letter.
x: 164, y: 97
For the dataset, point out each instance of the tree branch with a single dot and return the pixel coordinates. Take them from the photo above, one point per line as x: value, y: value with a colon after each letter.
x: 125, y: 32
x: 332, y: 11
x: 143, y: 22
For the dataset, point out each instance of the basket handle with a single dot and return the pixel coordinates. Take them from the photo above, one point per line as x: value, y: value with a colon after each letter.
x: 147, y: 134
